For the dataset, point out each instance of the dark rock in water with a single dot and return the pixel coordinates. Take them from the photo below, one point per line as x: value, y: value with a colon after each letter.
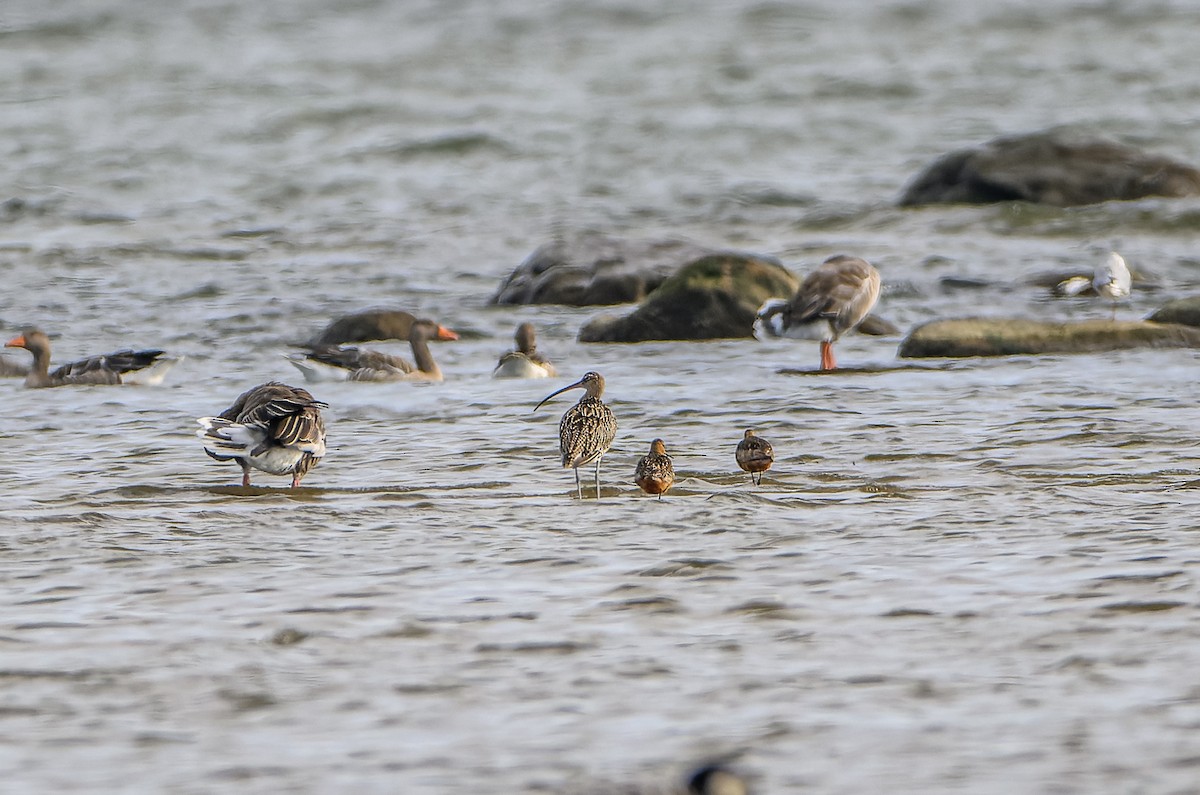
x: 714, y: 297
x: 1184, y: 311
x: 373, y: 324
x: 1058, y: 167
x: 876, y: 326
x: 1015, y: 336
x: 595, y: 270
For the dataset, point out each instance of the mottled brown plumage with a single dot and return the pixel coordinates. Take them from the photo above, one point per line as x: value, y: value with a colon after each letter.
x: 755, y: 455
x: 587, y: 429
x: 841, y: 292
x: 655, y: 473
x: 273, y: 427
x: 119, y: 367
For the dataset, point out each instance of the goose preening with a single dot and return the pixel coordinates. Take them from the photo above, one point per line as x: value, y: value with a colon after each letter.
x: 146, y: 367
x: 834, y: 299
x: 655, y: 473
x: 273, y: 427
x: 332, y: 363
x: 524, y: 361
x: 754, y: 455
x: 587, y: 429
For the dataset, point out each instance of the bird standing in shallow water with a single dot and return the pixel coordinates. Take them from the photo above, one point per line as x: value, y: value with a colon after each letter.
x: 755, y: 455
x: 1113, y: 280
x: 587, y: 429
x: 273, y: 427
x: 841, y: 292
x: 655, y: 474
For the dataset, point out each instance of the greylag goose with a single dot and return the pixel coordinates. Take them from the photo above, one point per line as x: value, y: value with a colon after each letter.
x: 587, y: 429
x: 754, y: 455
x: 273, y: 427
x: 654, y: 473
x: 524, y: 361
x: 147, y: 367
x: 330, y: 363
x: 372, y: 324
x: 840, y: 293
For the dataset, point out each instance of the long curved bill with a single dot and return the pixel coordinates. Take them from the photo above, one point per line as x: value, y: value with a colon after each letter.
x: 575, y: 385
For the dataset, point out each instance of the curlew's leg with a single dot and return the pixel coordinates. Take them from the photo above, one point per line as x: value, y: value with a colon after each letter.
x: 578, y: 487
x: 827, y: 360
x: 598, y: 477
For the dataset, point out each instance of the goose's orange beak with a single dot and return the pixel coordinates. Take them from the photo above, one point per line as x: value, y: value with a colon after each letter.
x: 445, y: 334
x: 16, y: 342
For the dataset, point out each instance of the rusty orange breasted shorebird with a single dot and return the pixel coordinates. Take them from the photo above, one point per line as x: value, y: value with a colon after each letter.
x: 655, y: 474
x: 587, y: 429
x: 841, y: 292
x: 273, y: 427
x: 755, y: 455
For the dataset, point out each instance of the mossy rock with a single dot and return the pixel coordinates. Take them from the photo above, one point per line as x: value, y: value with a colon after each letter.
x: 714, y: 297
x: 1184, y: 311
x: 1015, y: 336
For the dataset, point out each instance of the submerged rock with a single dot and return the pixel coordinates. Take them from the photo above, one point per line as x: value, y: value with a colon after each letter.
x: 1015, y: 336
x: 1184, y: 311
x: 714, y: 297
x: 1058, y: 167
x: 595, y: 270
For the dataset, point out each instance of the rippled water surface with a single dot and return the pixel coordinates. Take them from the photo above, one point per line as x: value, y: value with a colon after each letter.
x: 975, y: 577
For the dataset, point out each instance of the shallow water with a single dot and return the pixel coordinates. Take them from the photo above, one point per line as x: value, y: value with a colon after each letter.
x: 974, y: 576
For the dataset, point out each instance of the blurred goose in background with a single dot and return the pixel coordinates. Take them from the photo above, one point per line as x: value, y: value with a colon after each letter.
x: 332, y: 363
x: 524, y: 361
x: 833, y: 299
x: 273, y: 427
x: 146, y: 367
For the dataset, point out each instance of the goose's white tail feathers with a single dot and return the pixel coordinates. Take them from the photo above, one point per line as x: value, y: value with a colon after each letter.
x: 225, y: 438
x: 154, y: 374
x: 318, y: 372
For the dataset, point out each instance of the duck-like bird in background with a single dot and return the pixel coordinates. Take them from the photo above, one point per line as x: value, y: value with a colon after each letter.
x: 524, y: 361
x: 146, y: 367
x: 333, y: 363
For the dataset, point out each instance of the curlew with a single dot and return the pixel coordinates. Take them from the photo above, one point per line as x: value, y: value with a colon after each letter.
x: 587, y: 429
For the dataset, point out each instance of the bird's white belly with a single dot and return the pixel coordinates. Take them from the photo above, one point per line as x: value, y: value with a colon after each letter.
x: 276, y: 460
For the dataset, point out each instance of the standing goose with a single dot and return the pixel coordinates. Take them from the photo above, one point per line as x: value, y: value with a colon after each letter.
x: 587, y: 429
x: 754, y: 455
x: 126, y: 366
x: 273, y: 427
x: 1113, y: 280
x: 841, y: 292
x: 332, y: 363
x: 654, y: 473
x: 524, y: 361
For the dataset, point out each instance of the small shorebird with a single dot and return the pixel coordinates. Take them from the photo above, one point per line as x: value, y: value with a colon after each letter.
x: 1112, y: 280
x: 273, y: 427
x: 655, y: 474
x: 524, y: 361
x: 332, y: 363
x: 755, y: 455
x: 841, y: 292
x: 587, y: 429
x: 147, y: 367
